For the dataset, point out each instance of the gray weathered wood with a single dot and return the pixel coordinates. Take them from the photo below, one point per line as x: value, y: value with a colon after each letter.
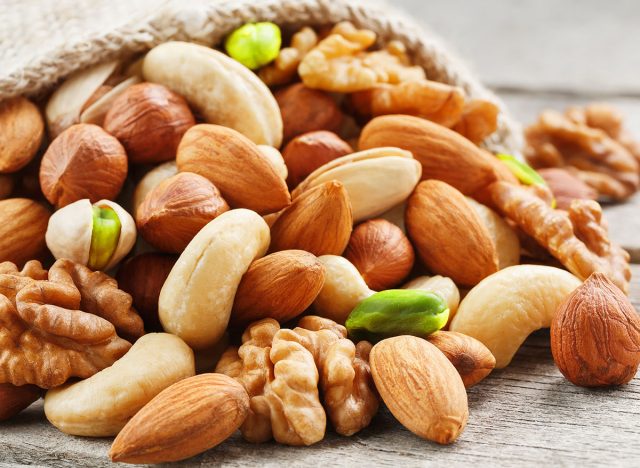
x: 525, y: 414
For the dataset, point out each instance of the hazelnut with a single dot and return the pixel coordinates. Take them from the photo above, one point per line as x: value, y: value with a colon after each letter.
x: 84, y: 161
x: 307, y: 152
x: 176, y: 209
x: 142, y: 276
x: 149, y: 120
x: 304, y: 110
x: 150, y: 180
x: 595, y: 335
x: 21, y: 130
x: 97, y: 235
x: 22, y: 231
x: 381, y: 252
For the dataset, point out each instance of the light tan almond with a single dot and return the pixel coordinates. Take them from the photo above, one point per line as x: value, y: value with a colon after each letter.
x: 449, y: 236
x: 420, y: 387
x: 235, y: 165
x: 186, y: 419
x: 318, y: 221
x: 279, y: 286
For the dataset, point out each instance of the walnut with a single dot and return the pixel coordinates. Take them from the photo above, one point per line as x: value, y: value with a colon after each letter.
x: 557, y: 140
x: 61, y: 327
x: 339, y: 62
x: 285, y: 66
x: 577, y: 238
x: 479, y: 120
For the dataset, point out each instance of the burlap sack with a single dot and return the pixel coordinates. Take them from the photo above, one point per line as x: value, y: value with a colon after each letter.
x: 42, y: 41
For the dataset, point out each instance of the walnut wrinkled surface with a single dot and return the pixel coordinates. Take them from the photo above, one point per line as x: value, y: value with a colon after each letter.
x: 61, y: 324
x: 567, y: 140
x: 285, y: 66
x: 578, y: 238
x: 340, y: 63
x: 479, y: 119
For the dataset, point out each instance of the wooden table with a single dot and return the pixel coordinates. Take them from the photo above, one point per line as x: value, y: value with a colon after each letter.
x: 536, y: 54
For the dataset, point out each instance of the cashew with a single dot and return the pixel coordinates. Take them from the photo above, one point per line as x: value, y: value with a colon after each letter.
x: 504, y: 238
x: 504, y: 308
x: 101, y: 405
x: 343, y: 289
x: 196, y: 299
x: 441, y: 285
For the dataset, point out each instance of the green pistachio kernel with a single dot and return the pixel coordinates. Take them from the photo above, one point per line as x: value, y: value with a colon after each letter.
x: 254, y: 44
x: 104, y: 237
x: 397, y: 312
x: 525, y: 173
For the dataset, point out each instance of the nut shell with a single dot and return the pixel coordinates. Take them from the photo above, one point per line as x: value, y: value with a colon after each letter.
x: 176, y: 209
x: 21, y: 130
x: 595, y: 335
x: 84, y: 161
x: 381, y: 252
x: 22, y: 231
x: 149, y: 120
x: 14, y: 399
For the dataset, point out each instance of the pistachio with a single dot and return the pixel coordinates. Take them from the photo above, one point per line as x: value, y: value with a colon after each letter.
x: 104, y: 236
x: 254, y: 44
x: 397, y: 312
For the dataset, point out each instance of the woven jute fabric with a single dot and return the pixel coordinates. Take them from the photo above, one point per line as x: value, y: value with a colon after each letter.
x: 42, y: 41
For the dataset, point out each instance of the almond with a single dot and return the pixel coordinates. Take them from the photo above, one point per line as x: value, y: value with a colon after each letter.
x: 420, y: 387
x: 22, y: 130
x: 186, y: 419
x: 279, y: 286
x: 448, y: 234
x: 318, y: 221
x: 444, y: 154
x: 14, y: 399
x: 235, y: 165
x: 22, y: 232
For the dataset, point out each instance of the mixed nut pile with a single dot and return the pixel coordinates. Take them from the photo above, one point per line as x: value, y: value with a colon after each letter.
x: 382, y: 256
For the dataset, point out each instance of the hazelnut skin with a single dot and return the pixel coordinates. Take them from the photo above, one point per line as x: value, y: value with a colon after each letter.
x: 149, y: 120
x: 84, y: 161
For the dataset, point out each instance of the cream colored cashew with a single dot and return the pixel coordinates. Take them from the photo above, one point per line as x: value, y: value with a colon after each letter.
x: 506, y: 307
x: 101, y: 405
x: 343, y: 289
x: 196, y: 299
x: 440, y: 285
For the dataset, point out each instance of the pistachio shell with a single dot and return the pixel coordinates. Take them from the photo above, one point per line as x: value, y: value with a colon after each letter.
x: 95, y: 112
x: 69, y: 231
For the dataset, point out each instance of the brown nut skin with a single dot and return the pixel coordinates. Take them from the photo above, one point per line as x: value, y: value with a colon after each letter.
x: 470, y: 357
x: 307, y: 152
x: 21, y: 131
x: 304, y: 110
x: 279, y: 286
x: 84, y: 161
x: 381, y: 252
x: 14, y: 399
x: 595, y: 335
x: 176, y: 209
x: 22, y: 231
x: 566, y: 187
x: 149, y: 120
x: 142, y: 276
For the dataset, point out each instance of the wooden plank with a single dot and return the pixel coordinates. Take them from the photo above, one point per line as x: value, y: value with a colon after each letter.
x: 524, y: 414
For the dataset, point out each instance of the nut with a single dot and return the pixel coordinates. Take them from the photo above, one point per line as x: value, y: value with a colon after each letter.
x: 275, y: 159
x: 479, y: 119
x: 7, y: 184
x: 397, y: 312
x: 443, y: 287
x: 149, y: 120
x: 101, y: 405
x: 254, y: 44
x: 305, y: 110
x: 595, y: 335
x: 150, y: 180
x: 84, y: 161
x: 509, y: 305
x: 470, y: 357
x: 14, y: 399
x: 196, y: 300
x: 176, y: 209
x: 318, y: 221
x: 307, y: 152
x: 98, y: 235
x: 420, y: 387
x: 185, y: 419
x: 22, y: 232
x: 566, y: 187
x: 450, y: 238
x: 376, y: 180
x: 21, y: 130
x: 444, y: 154
x: 142, y: 276
x: 209, y: 80
x: 381, y: 252
x: 280, y: 286
x: 235, y: 165
x: 342, y: 291
x: 285, y: 67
